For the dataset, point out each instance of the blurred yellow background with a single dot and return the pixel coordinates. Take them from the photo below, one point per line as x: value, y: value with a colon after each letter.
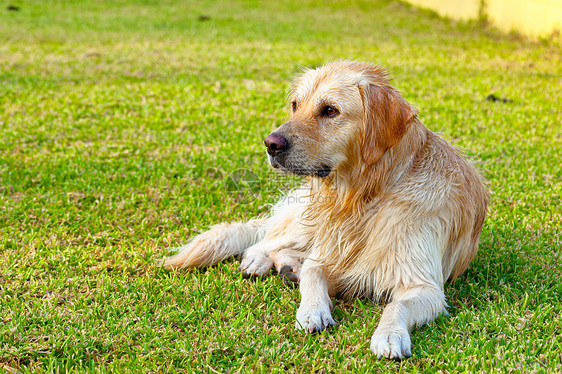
x: 535, y: 18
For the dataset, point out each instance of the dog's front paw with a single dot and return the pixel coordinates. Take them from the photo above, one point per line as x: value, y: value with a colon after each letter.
x: 314, y: 319
x: 255, y: 264
x: 392, y: 342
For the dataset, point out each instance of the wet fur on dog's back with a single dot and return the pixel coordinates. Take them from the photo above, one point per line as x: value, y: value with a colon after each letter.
x: 388, y: 209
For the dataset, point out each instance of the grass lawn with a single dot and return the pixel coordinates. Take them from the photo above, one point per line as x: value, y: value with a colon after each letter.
x: 127, y: 127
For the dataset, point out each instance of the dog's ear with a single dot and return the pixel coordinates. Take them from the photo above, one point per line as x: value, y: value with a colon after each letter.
x: 386, y: 118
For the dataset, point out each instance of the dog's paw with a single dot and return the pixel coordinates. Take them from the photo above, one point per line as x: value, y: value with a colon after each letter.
x: 314, y: 319
x: 392, y: 342
x: 289, y: 275
x: 255, y: 264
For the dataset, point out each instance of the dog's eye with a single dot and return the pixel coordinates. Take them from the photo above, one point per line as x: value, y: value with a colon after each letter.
x: 329, y: 111
x: 294, y: 106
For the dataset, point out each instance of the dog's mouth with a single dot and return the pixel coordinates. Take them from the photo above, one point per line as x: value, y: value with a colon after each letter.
x: 324, y: 171
x: 320, y: 171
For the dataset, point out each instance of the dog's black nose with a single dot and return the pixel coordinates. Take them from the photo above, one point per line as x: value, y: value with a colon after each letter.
x: 276, y: 144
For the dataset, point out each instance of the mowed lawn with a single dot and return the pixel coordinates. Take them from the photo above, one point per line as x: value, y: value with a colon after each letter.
x: 127, y: 127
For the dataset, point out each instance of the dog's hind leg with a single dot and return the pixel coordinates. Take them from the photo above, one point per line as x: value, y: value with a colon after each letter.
x: 220, y: 242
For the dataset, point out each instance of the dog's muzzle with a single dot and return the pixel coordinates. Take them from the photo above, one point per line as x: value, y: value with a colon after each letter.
x: 277, y: 149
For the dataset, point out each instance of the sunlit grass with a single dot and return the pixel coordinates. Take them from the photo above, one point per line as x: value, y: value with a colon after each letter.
x: 126, y: 128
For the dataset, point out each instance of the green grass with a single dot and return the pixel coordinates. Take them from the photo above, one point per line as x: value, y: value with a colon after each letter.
x: 121, y: 124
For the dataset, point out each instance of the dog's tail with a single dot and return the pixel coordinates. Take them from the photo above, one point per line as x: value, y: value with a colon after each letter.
x: 220, y: 242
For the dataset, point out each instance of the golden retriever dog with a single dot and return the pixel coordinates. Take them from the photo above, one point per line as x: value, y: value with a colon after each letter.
x: 388, y: 210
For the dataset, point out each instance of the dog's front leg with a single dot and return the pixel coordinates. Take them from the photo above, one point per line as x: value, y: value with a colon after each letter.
x: 411, y: 306
x: 314, y: 313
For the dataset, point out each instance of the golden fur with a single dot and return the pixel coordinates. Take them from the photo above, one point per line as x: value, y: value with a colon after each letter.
x: 389, y: 209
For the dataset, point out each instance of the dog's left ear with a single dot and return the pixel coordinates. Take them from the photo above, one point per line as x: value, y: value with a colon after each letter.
x: 386, y: 118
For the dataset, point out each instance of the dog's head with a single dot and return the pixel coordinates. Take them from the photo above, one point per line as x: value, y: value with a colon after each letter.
x: 343, y: 114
